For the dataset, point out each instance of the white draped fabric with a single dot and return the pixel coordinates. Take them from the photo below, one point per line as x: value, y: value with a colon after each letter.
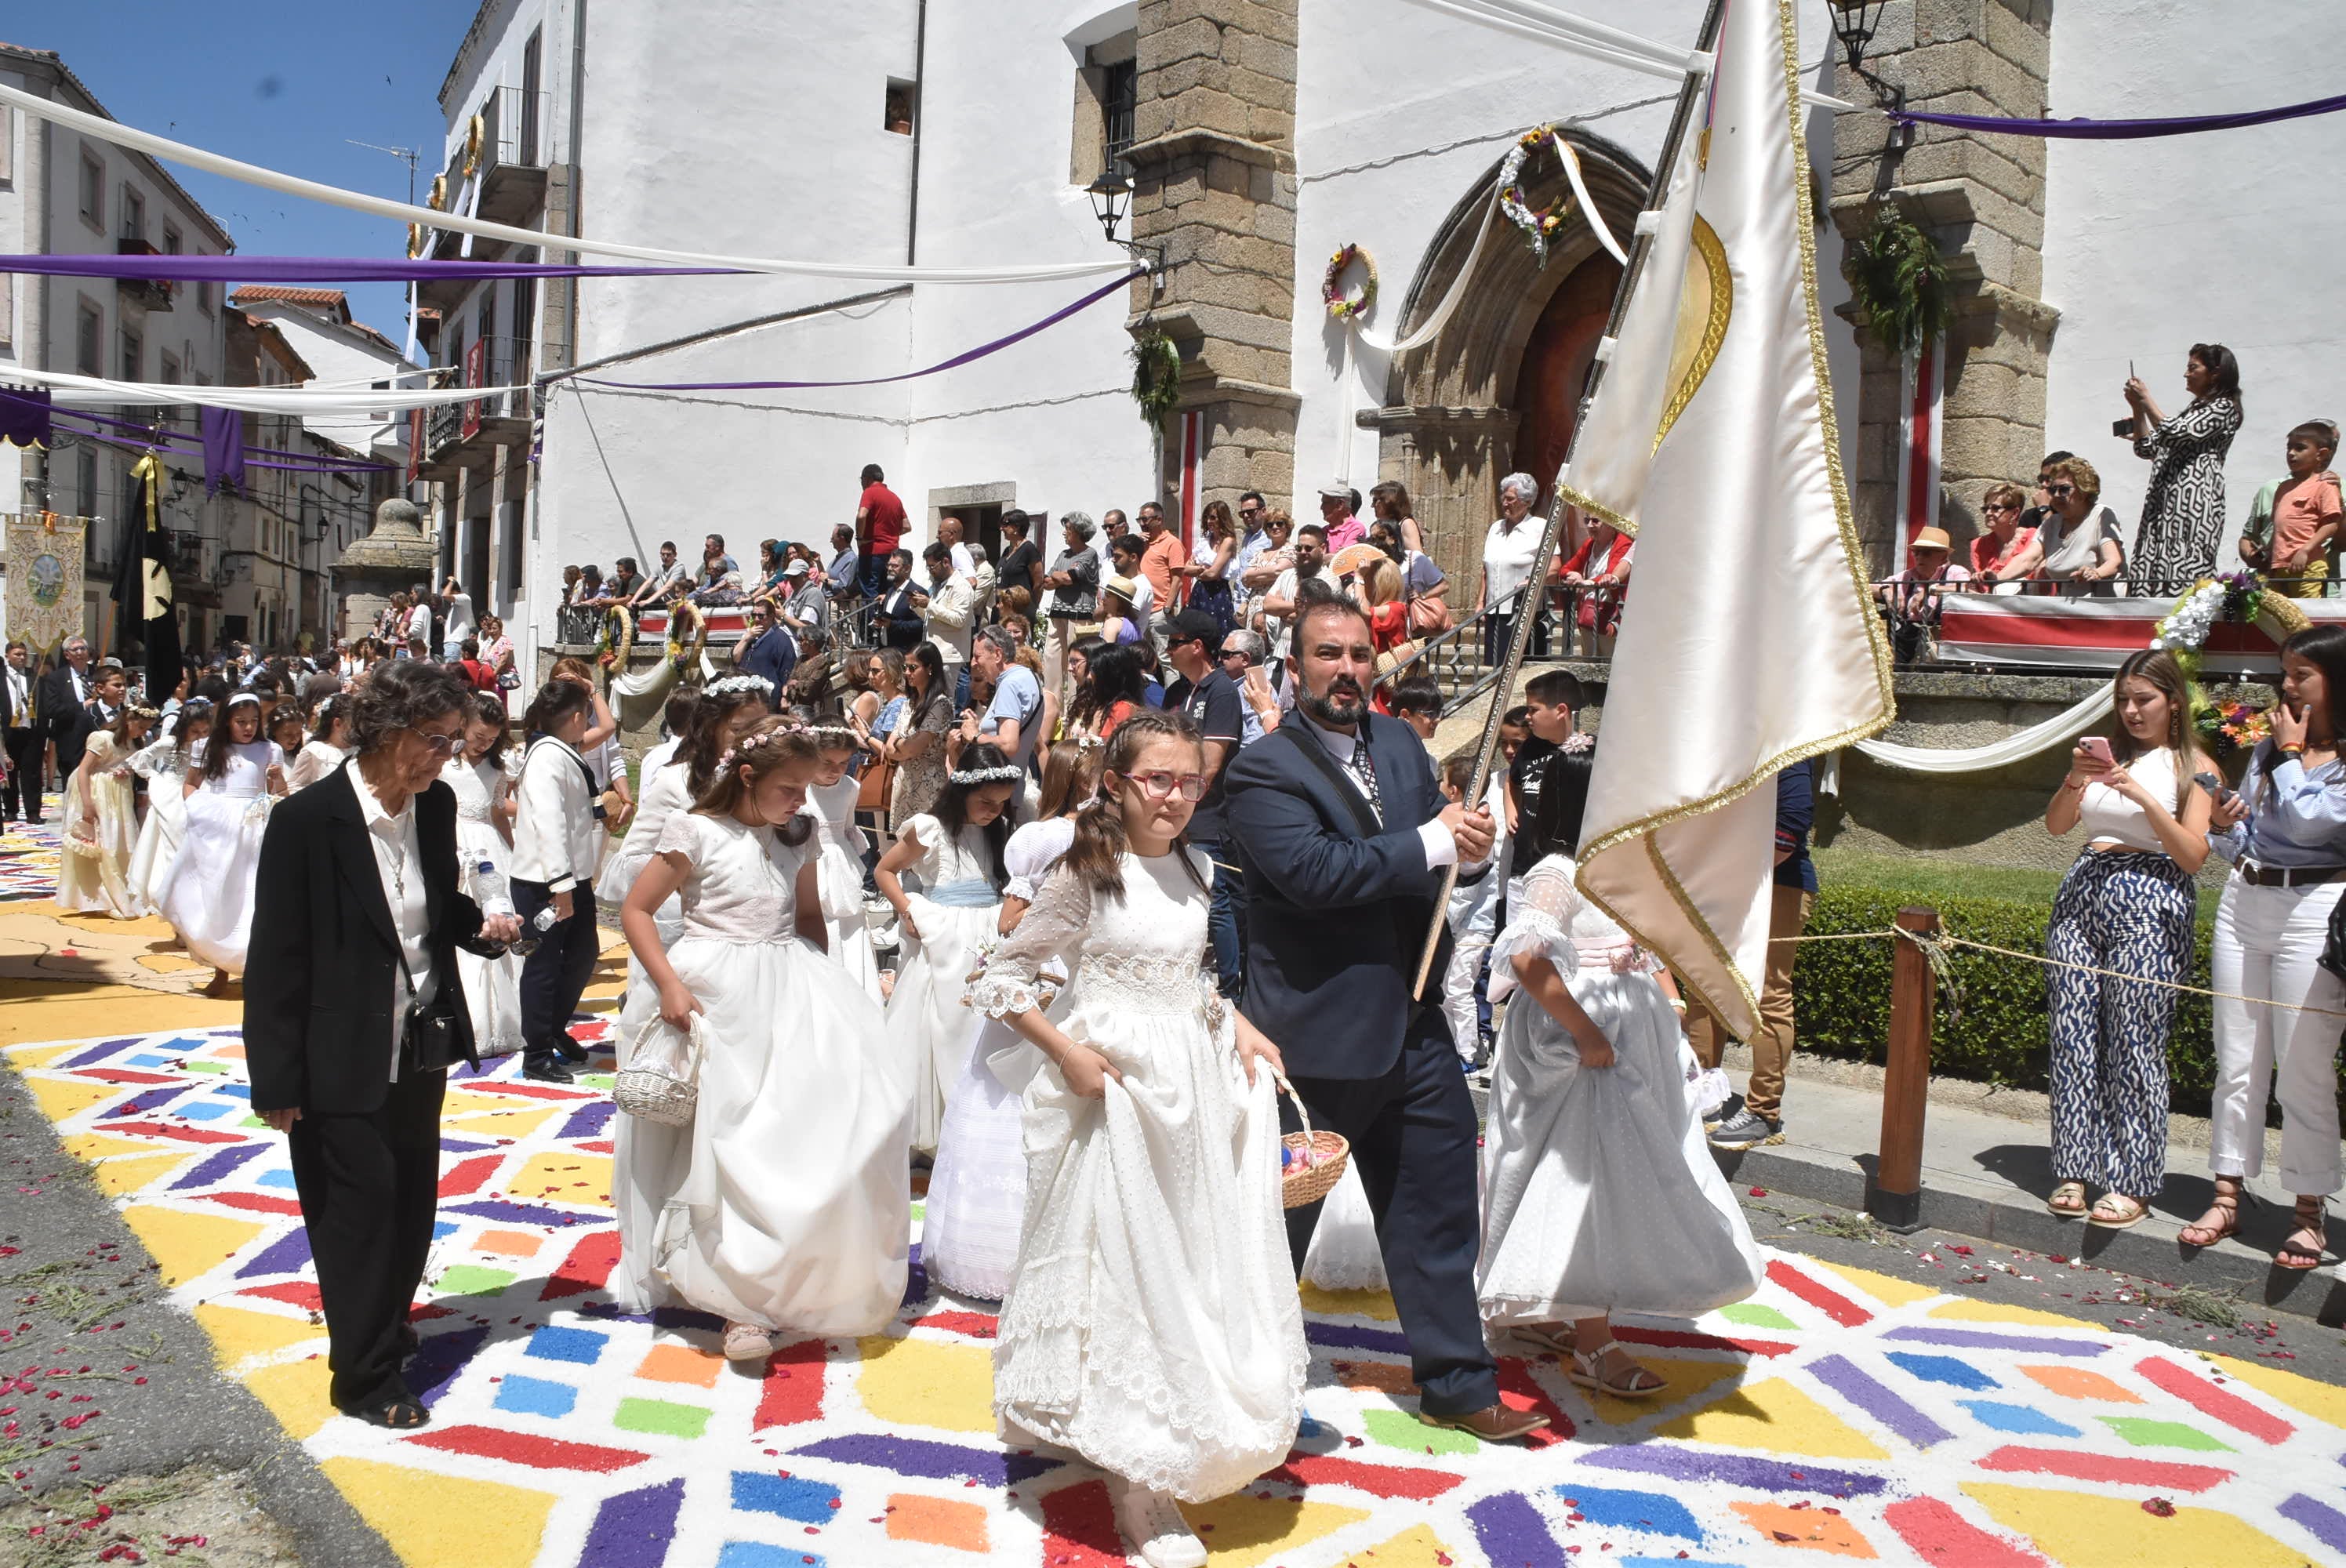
x: 1751, y: 646
x: 68, y: 391
x: 2059, y: 730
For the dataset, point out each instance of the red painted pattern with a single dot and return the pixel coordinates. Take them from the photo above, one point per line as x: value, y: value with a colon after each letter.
x: 2210, y: 1401
x: 1833, y: 1305
x: 301, y: 1293
x: 976, y: 1325
x: 1938, y: 1535
x: 1688, y: 1339
x: 1519, y: 1390
x: 2098, y: 1467
x: 586, y: 1268
x: 1079, y: 1529
x: 178, y: 1130
x: 468, y: 1177
x: 793, y: 1387
x: 258, y: 1201
x: 1386, y: 1480
x: 523, y: 1449
x: 125, y: 1075
x: 526, y: 1091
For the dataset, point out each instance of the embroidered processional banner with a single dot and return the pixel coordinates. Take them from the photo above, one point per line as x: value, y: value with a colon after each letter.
x: 45, y: 556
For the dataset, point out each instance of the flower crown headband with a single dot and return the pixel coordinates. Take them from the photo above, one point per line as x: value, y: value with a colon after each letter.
x: 1578, y: 741
x: 740, y: 751
x: 1008, y: 773
x: 140, y: 710
x: 733, y: 683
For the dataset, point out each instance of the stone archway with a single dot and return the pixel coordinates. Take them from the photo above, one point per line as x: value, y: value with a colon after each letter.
x: 1456, y: 413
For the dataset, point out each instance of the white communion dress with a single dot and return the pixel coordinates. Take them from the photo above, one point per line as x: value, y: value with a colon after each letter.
x: 977, y: 1191
x: 1152, y: 1324
x: 99, y: 882
x: 840, y: 876
x: 667, y: 791
x: 1599, y: 1193
x: 492, y: 985
x: 209, y: 901
x: 786, y: 1203
x: 315, y: 760
x: 164, y: 766
x: 956, y: 909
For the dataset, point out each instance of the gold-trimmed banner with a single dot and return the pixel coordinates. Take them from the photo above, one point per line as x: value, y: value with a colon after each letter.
x: 45, y: 581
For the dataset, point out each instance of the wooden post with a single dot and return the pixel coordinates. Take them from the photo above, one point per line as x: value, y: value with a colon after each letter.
x: 1896, y: 1196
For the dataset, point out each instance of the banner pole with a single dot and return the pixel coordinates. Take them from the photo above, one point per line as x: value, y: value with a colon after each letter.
x: 1535, y: 591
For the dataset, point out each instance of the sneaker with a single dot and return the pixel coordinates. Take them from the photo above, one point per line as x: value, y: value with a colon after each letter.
x: 1727, y: 1110
x: 1151, y: 1521
x: 1747, y: 1129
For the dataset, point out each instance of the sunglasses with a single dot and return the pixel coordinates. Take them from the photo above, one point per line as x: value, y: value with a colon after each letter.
x: 2003, y: 506
x: 2060, y: 490
x: 441, y: 745
x: 1159, y: 786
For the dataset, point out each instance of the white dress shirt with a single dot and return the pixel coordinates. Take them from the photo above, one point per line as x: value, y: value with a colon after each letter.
x: 399, y: 861
x: 20, y: 696
x: 1441, y: 849
x: 556, y: 837
x: 1508, y: 557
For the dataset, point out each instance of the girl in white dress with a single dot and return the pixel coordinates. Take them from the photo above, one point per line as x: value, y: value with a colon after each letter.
x: 957, y: 851
x: 1599, y: 1193
x: 977, y: 1193
x: 164, y: 766
x: 483, y: 776
x: 328, y: 745
x: 831, y: 799
x: 231, y: 778
x: 1152, y: 1324
x: 784, y: 1206
x: 101, y: 830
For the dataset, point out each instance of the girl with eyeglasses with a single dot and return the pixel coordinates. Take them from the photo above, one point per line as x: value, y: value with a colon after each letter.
x: 235, y: 774
x: 1152, y: 1324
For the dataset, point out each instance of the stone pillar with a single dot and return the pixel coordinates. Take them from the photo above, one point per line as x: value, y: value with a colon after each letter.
x: 1983, y: 199
x: 1214, y: 185
x: 500, y: 593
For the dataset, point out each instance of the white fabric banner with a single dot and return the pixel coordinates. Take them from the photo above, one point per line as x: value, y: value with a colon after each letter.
x: 2060, y: 728
x: 67, y: 391
x: 1750, y: 642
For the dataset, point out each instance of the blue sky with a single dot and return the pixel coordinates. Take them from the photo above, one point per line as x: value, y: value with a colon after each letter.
x: 283, y: 85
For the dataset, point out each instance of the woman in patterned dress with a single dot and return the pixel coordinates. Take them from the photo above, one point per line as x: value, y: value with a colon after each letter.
x: 2183, y: 513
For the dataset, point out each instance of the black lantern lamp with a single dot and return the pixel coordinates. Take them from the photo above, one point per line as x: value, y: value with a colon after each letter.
x: 1111, y: 196
x: 1854, y: 23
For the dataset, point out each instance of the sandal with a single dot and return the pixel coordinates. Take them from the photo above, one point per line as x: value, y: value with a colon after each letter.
x: 2068, y: 1199
x: 400, y: 1414
x: 2116, y: 1211
x: 746, y: 1342
x: 2222, y: 1219
x: 1631, y: 1385
x: 2312, y: 1222
x: 1555, y: 1338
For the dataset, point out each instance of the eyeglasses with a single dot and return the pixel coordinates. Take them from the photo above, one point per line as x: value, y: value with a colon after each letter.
x: 441, y: 745
x: 2003, y: 506
x: 1159, y: 786
x: 2057, y: 491
x: 1233, y: 653
x: 1250, y: 511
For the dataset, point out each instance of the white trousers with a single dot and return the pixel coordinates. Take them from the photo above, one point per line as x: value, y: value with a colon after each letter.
x: 1470, y: 938
x: 2267, y: 944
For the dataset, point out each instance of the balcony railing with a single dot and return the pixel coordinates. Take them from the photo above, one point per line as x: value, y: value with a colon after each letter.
x: 153, y: 293
x: 493, y: 362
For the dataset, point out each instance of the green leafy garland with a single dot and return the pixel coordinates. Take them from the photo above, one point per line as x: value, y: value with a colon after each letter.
x: 1156, y: 374
x: 1898, y: 278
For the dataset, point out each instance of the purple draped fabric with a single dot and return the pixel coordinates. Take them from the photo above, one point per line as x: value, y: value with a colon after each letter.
x: 25, y: 418
x: 223, y: 449
x: 965, y: 357
x: 299, y: 269
x: 2123, y: 130
x: 15, y: 403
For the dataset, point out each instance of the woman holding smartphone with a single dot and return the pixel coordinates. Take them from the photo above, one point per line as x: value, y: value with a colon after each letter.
x: 2126, y: 906
x: 2285, y: 834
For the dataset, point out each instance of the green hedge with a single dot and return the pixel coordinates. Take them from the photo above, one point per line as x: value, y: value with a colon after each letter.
x: 1841, y: 990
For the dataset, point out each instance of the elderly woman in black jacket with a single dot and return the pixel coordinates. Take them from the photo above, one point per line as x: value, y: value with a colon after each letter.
x: 353, y: 1014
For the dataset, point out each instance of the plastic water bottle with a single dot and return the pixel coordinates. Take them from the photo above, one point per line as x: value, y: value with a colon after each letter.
x: 492, y: 893
x: 544, y: 920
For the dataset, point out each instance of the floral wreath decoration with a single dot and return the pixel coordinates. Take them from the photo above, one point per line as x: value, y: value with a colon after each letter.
x: 1341, y: 306
x: 618, y: 637
x: 2241, y: 599
x: 1537, y: 226
x: 683, y: 618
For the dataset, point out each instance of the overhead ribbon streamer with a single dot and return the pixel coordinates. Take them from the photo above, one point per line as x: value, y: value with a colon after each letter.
x: 95, y: 392
x: 2123, y: 130
x: 966, y: 357
x: 25, y: 418
x: 193, y: 268
x: 101, y: 128
x: 223, y: 449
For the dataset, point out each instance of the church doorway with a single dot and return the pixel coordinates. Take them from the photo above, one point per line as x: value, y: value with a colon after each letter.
x: 1556, y: 365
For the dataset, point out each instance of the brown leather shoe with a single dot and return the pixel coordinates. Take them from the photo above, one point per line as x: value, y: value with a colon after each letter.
x: 1492, y: 1424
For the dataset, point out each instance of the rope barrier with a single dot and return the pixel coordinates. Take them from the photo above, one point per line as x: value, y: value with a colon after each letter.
x: 1936, y: 948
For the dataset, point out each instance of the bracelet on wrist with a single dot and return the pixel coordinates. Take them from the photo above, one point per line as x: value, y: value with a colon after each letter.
x: 2288, y: 750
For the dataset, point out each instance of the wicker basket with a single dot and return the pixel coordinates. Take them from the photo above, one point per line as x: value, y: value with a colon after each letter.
x: 662, y: 1085
x: 1318, y: 1161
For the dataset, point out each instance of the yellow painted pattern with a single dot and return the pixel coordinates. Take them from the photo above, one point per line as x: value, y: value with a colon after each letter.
x: 2085, y: 1529
x: 1886, y: 1288
x: 295, y: 1393
x: 188, y: 1245
x: 440, y: 1519
x: 1995, y: 1312
x: 1777, y: 1417
x: 1243, y: 1530
x: 239, y: 1335
x: 924, y: 1382
x: 2321, y: 1401
x: 565, y: 1178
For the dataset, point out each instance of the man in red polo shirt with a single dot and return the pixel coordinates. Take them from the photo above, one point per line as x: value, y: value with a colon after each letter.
x: 879, y: 524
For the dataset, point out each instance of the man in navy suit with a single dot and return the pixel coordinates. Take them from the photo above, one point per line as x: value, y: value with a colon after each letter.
x: 1343, y: 836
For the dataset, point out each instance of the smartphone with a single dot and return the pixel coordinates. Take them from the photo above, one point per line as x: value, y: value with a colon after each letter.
x: 2215, y: 785
x: 2097, y: 747
x: 2122, y: 428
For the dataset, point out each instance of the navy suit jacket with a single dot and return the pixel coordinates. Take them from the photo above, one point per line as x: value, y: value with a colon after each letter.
x: 1335, y: 920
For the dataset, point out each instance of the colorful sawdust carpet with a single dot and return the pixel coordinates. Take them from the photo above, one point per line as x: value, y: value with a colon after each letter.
x: 1838, y: 1413
x: 28, y: 856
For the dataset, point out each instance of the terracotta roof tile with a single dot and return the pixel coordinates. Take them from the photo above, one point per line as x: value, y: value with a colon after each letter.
x: 291, y: 296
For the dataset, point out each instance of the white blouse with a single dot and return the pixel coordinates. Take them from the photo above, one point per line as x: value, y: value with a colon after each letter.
x: 2109, y: 816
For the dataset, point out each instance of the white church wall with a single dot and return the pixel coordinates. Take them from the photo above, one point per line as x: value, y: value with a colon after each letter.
x: 2229, y: 237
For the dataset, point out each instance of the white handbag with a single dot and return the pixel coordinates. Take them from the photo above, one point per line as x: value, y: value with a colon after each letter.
x: 661, y: 1082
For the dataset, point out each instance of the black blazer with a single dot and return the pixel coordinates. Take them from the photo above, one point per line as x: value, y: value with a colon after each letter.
x: 318, y: 1025
x: 8, y: 702
x: 63, y: 715
x: 1335, y: 920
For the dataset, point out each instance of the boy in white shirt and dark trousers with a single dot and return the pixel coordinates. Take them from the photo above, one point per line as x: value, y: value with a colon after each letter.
x: 558, y: 839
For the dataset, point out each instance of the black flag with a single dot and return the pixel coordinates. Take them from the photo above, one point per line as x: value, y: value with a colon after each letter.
x: 142, y: 581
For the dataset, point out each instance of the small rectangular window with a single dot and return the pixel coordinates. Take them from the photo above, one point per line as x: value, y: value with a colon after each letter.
x: 1119, y: 91
x: 134, y: 354
x: 89, y: 340
x: 85, y: 480
x: 134, y: 214
x: 93, y: 189
x: 171, y: 241
x: 899, y: 106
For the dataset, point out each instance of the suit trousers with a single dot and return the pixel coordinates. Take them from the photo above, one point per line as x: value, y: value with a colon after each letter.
x: 368, y: 1186
x: 1413, y: 1139
x: 554, y: 977
x: 25, y: 744
x: 1771, y: 1044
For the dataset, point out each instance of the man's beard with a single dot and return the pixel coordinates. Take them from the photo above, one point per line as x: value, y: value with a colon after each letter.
x: 1342, y: 703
